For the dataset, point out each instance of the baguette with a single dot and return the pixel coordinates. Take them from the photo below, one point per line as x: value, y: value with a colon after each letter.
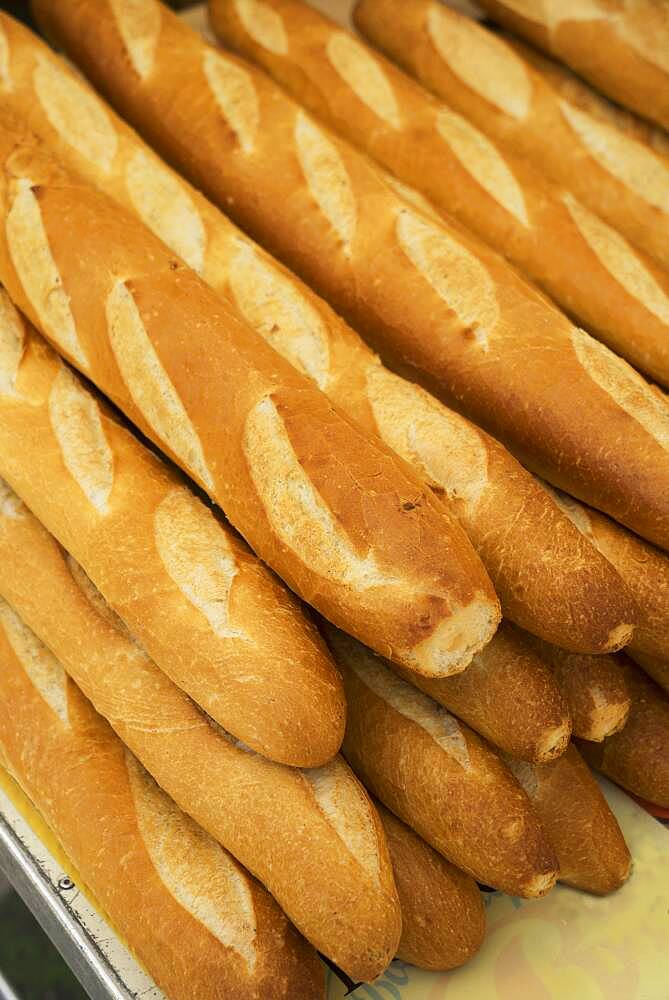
x: 573, y: 88
x: 509, y: 695
x: 645, y: 571
x: 435, y: 303
x: 585, y: 266
x: 443, y: 919
x: 614, y: 165
x: 311, y: 836
x: 198, y: 922
x: 593, y: 686
x: 656, y: 667
x: 341, y: 518
x: 439, y: 777
x: 205, y: 609
x: 583, y: 832
x: 637, y: 758
x: 582, y: 607
x: 620, y: 46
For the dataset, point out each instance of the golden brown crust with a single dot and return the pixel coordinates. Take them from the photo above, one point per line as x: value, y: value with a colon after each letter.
x: 222, y: 627
x: 620, y: 47
x: 577, y: 608
x: 593, y: 686
x: 312, y: 835
x: 645, y: 570
x: 443, y: 919
x: 509, y: 695
x: 576, y: 90
x: 199, y: 923
x: 656, y: 667
x: 587, y: 269
x: 460, y: 338
x: 615, y: 164
x: 335, y: 513
x: 548, y: 583
x: 638, y: 756
x: 584, y: 833
x: 440, y: 777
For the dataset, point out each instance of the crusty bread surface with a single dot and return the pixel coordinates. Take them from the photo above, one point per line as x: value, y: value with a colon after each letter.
x: 509, y: 695
x: 611, y: 161
x: 443, y: 919
x: 435, y: 303
x: 586, y: 267
x: 620, y: 46
x: 339, y: 516
x: 310, y: 835
x: 590, y: 847
x: 645, y: 570
x: 637, y: 757
x: 593, y: 686
x: 213, y: 618
x: 439, y: 777
x: 519, y: 534
x: 199, y: 923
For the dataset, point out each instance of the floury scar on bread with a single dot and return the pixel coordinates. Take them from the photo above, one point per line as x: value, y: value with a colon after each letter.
x: 584, y: 607
x: 342, y: 519
x: 615, y: 165
x: 588, y: 269
x: 214, y: 619
x: 311, y: 836
x: 200, y: 924
x: 573, y: 88
x: 621, y: 46
x: 440, y: 306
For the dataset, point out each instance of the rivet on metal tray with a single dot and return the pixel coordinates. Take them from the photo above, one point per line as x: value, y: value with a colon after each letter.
x: 65, y: 884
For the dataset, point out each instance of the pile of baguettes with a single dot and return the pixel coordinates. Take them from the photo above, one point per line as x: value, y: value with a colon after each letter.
x: 172, y: 707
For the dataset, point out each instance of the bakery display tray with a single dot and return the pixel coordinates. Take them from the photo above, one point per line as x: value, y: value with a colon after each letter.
x: 568, y: 944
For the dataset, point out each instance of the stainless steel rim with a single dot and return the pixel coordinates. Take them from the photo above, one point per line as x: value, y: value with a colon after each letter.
x: 57, y: 921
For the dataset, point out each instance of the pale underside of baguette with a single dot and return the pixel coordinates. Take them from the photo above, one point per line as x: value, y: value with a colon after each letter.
x: 462, y: 464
